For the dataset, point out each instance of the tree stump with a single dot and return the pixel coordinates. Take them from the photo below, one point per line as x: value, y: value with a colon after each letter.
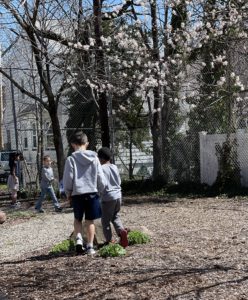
x: 99, y: 236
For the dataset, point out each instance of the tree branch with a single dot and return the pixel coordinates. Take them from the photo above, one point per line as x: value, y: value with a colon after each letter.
x: 24, y: 91
x: 38, y: 60
x: 15, y: 14
x: 35, y: 13
x: 113, y: 15
x: 142, y: 33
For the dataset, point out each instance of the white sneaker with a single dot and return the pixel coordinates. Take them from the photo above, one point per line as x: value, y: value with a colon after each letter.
x: 90, y: 251
x: 79, y: 246
x: 16, y: 205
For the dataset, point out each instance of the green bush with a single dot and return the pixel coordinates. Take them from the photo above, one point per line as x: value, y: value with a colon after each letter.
x: 64, y: 246
x: 112, y: 250
x: 141, y: 187
x: 137, y: 237
x: 22, y: 194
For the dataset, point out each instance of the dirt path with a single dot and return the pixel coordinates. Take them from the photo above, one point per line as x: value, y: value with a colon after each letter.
x: 198, y: 251
x: 17, y: 238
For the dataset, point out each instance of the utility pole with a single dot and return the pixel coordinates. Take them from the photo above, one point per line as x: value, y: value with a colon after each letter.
x: 14, y: 109
x: 2, y: 53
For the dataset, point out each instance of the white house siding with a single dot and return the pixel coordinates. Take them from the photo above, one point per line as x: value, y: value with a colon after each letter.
x: 242, y: 140
x: 140, y: 159
x: 208, y: 158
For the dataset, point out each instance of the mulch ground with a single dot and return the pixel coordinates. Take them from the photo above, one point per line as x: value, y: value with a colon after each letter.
x: 198, y: 251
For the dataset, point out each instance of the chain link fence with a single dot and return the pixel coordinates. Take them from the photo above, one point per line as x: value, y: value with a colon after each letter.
x: 203, y: 125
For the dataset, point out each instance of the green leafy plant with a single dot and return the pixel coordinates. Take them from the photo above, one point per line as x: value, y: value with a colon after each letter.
x: 63, y: 247
x: 22, y: 193
x: 137, y: 237
x: 112, y: 250
x: 21, y: 214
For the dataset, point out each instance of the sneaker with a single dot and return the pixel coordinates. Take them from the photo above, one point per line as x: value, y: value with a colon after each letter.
x: 15, y: 205
x: 58, y: 209
x: 90, y: 251
x: 123, y: 238
x: 79, y: 246
x: 41, y: 210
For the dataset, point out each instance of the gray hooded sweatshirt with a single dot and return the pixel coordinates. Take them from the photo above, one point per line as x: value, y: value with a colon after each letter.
x: 46, y: 177
x: 83, y: 173
x: 113, y: 183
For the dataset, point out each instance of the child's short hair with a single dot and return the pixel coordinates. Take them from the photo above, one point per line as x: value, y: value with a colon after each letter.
x: 79, y: 138
x: 46, y: 157
x: 104, y: 153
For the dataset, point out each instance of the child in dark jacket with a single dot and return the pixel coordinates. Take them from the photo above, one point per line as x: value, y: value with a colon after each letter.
x: 111, y: 199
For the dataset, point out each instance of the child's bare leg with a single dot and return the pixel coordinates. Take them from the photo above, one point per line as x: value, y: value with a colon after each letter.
x: 78, y: 234
x: 13, y: 197
x: 78, y: 228
x: 90, y: 229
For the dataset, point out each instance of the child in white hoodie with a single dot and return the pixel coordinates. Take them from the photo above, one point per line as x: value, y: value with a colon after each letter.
x: 83, y: 179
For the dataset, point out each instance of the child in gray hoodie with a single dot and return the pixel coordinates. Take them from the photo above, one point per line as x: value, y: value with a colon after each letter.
x: 111, y: 199
x: 46, y: 186
x: 83, y: 179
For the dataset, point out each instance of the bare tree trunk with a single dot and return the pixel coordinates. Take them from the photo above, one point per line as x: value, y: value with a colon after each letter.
x: 169, y: 91
x: 100, y: 62
x: 57, y: 138
x: 39, y: 48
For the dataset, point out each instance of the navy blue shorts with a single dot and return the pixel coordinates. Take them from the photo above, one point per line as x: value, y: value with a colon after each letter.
x: 88, y: 205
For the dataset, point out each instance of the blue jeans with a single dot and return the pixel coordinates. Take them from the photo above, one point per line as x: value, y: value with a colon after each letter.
x: 49, y: 190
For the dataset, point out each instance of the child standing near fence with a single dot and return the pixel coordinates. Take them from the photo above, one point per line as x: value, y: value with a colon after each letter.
x: 47, y: 179
x: 111, y: 199
x: 13, y: 180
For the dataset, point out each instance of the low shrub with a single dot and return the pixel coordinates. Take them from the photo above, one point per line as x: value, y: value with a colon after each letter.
x: 17, y: 214
x: 63, y: 247
x: 137, y: 237
x: 141, y: 187
x: 112, y: 250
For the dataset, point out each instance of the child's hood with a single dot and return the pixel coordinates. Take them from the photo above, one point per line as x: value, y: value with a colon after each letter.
x: 84, y: 157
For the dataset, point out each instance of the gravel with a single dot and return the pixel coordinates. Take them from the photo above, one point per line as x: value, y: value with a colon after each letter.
x: 34, y: 234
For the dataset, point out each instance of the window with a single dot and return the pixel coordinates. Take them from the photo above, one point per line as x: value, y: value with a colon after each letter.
x: 5, y: 156
x: 49, y: 137
x: 34, y: 137
x: 25, y: 142
x: 22, y: 83
x: 8, y: 145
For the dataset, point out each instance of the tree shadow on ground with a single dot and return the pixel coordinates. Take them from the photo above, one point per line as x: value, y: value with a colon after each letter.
x: 198, y: 291
x: 173, y: 275
x: 139, y: 279
x: 42, y: 257
x: 129, y: 200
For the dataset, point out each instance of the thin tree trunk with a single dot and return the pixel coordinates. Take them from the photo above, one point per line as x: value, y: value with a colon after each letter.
x: 130, y: 171
x: 57, y: 138
x: 100, y: 62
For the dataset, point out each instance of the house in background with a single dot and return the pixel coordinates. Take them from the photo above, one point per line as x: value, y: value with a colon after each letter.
x: 23, y: 117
